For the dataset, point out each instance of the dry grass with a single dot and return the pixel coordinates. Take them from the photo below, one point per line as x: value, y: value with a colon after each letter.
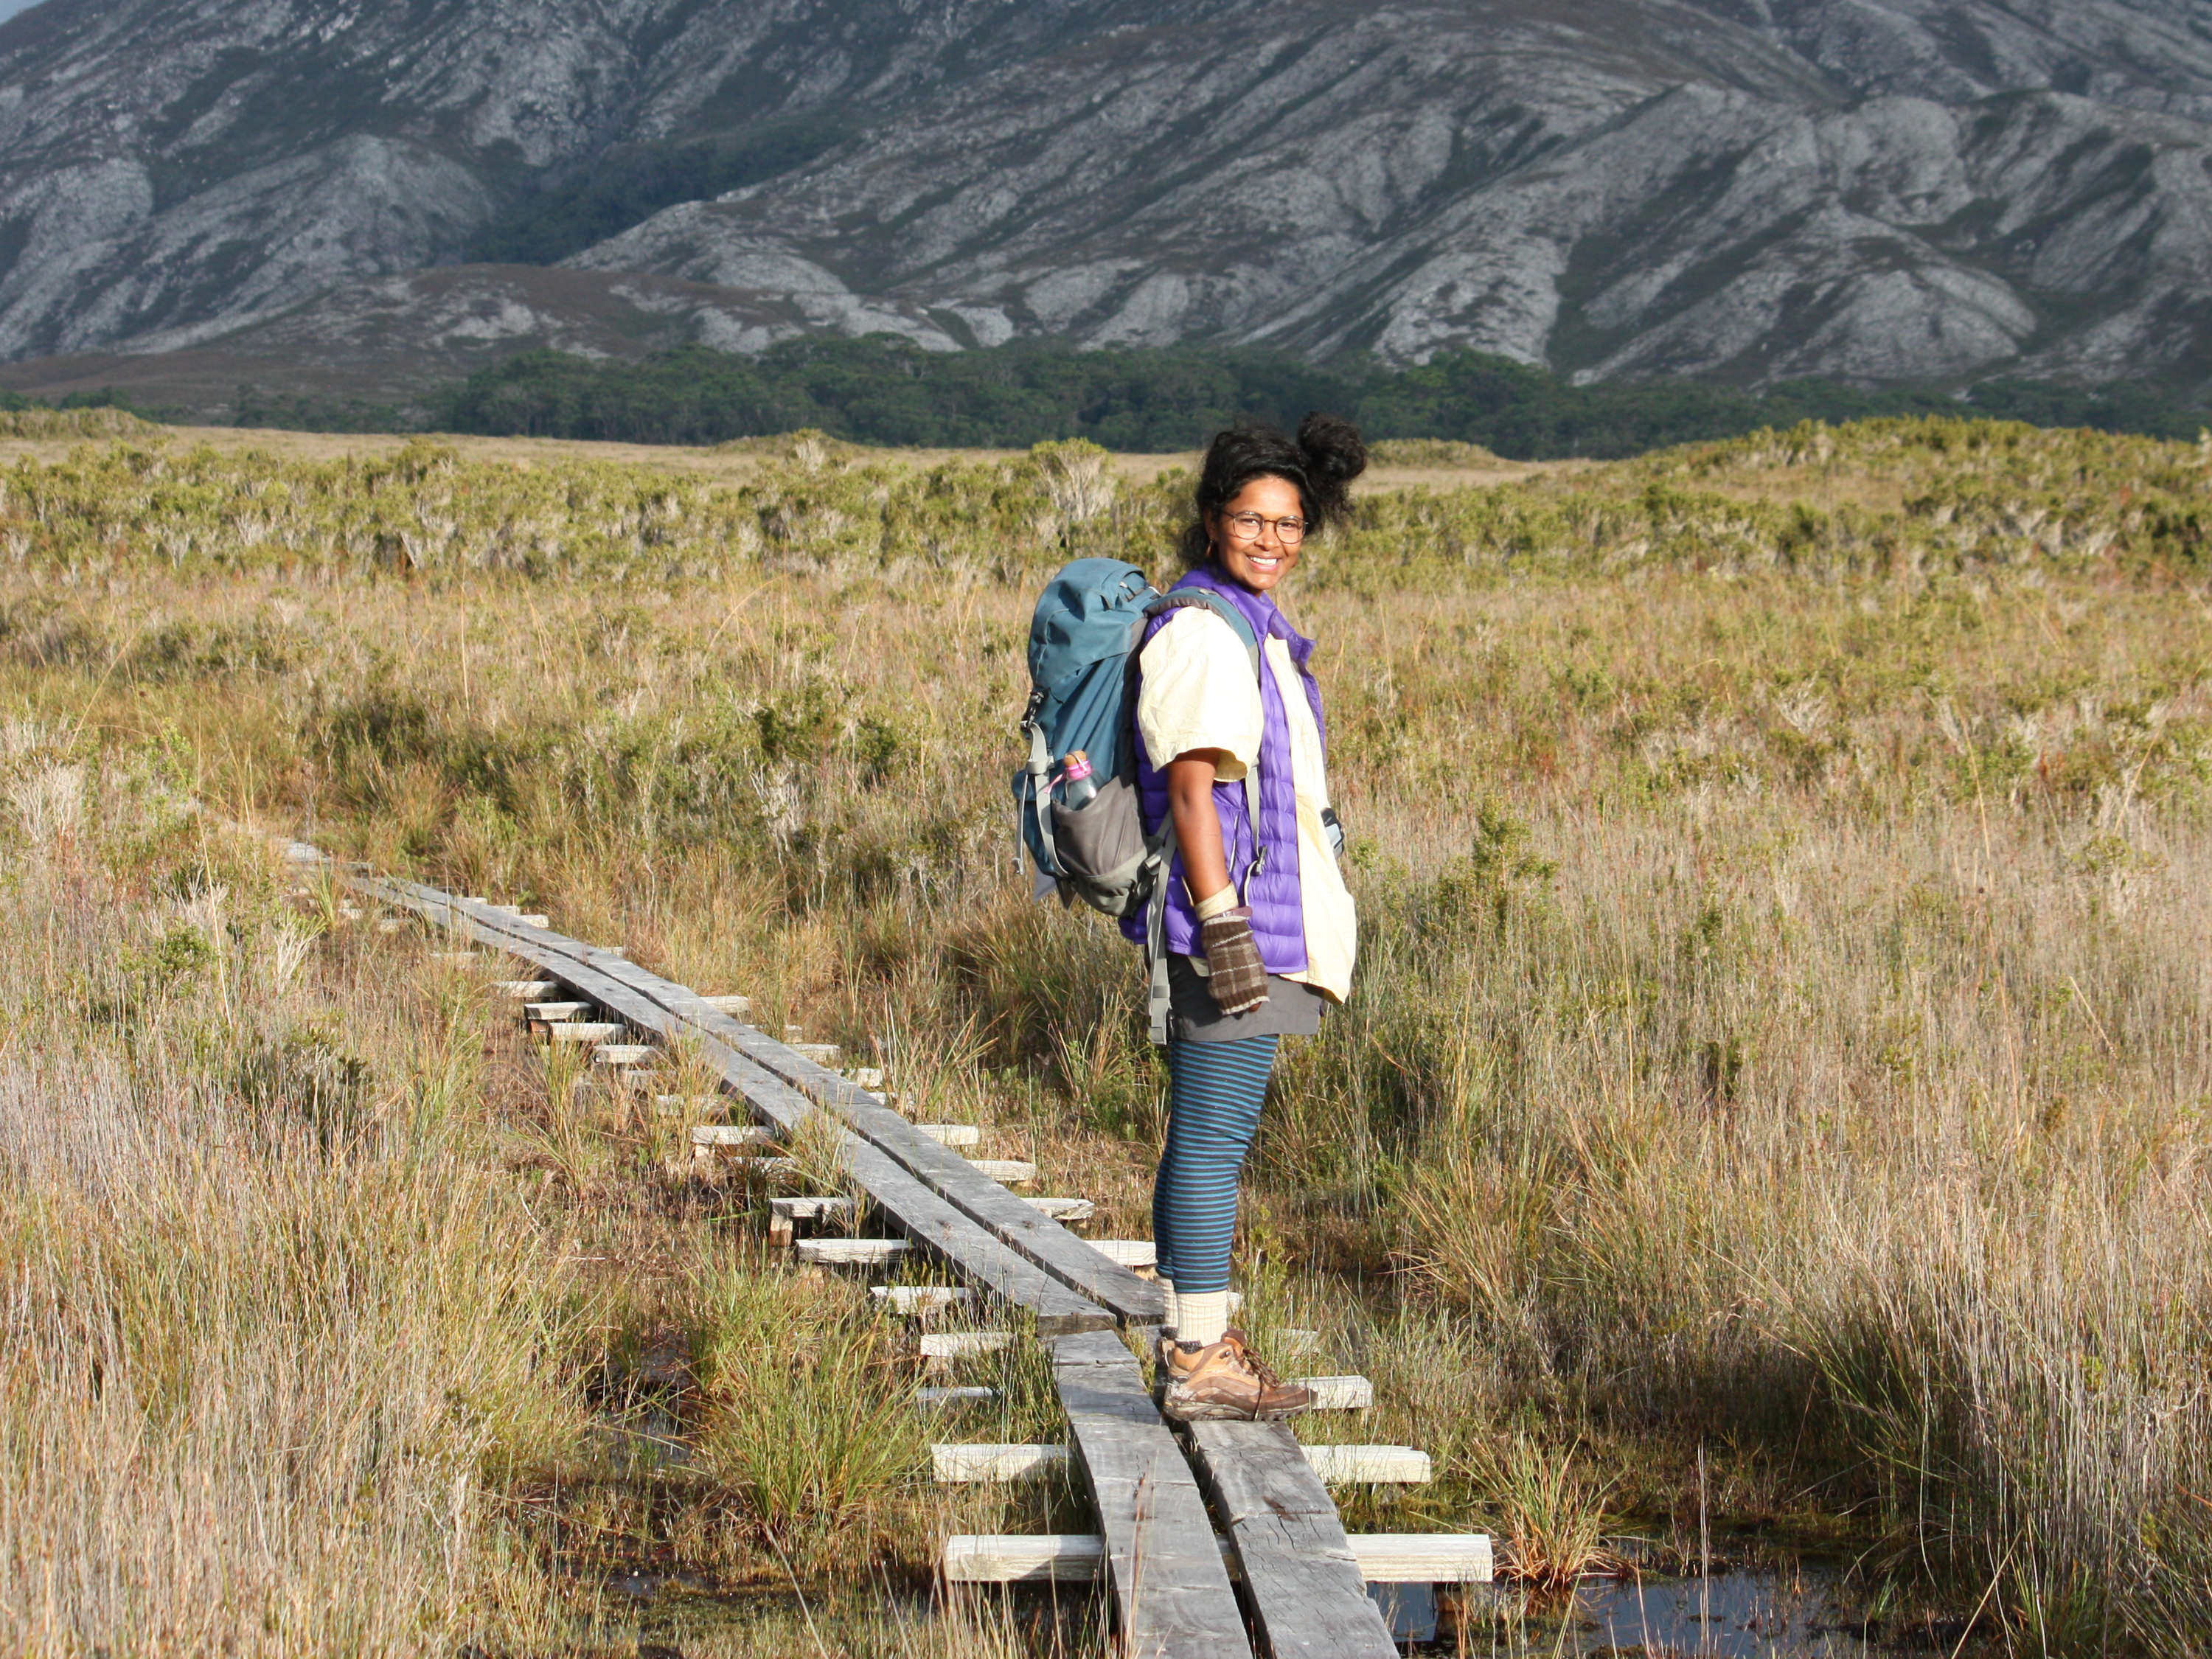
x: 337, y: 1319
x: 1783, y: 1016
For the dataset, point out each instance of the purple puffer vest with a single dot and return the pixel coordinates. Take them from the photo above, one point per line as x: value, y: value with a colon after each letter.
x: 1278, y: 906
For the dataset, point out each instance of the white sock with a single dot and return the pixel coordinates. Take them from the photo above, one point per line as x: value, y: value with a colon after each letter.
x: 1200, y: 1317
x: 1169, y: 1329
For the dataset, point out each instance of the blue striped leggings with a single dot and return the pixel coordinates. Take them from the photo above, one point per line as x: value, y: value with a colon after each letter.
x: 1214, y: 1096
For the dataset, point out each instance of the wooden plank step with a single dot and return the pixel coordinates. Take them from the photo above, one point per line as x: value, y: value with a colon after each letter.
x: 1400, y: 1465
x: 821, y: 1054
x: 624, y: 1054
x: 953, y: 1465
x: 1011, y: 1170
x: 851, y: 1252
x: 1129, y: 1252
x: 1424, y: 1558
x: 950, y: 1134
x: 687, y: 1104
x: 525, y: 990
x: 870, y: 1077
x: 921, y: 1298
x: 731, y: 1134
x: 1063, y: 1209
x: 1382, y: 1558
x: 583, y: 1030
x: 1172, y: 1593
x: 546, y: 1012
x: 938, y: 1399
x: 736, y: 1008
x: 809, y: 1208
x: 963, y: 1344
x: 1339, y: 1394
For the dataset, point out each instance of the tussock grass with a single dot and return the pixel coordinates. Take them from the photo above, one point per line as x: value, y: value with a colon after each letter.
x: 1782, y: 1023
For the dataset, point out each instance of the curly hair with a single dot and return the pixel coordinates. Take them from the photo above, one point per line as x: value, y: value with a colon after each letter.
x: 1322, y: 460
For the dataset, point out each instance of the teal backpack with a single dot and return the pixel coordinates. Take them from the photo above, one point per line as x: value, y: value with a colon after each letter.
x: 1082, y: 676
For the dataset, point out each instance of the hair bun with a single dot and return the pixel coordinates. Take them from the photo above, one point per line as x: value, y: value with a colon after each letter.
x: 1335, y: 455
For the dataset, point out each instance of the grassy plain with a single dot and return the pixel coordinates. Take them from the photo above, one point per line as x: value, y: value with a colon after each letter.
x: 1782, y: 1025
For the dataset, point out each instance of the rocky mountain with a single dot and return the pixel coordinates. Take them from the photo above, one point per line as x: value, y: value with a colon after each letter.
x: 1876, y: 190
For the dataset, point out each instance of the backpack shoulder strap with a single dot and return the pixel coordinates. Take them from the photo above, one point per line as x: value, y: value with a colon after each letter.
x: 1204, y: 598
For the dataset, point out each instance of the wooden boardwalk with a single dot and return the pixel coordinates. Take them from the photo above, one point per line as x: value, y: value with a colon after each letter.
x: 1302, y: 1589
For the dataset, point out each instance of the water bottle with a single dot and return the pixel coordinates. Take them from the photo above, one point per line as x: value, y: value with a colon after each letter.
x: 1077, y: 788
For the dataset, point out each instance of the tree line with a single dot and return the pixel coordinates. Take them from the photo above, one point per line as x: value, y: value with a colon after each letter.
x: 883, y: 389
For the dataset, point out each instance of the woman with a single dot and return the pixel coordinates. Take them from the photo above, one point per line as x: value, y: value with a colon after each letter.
x: 1260, y: 938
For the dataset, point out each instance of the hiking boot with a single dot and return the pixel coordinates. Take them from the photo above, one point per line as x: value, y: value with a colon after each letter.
x: 1223, y: 1382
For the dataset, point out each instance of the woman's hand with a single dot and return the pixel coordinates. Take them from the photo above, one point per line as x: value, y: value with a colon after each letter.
x: 1235, y: 973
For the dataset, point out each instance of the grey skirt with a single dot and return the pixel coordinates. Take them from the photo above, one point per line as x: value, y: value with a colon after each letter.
x: 1291, y: 1009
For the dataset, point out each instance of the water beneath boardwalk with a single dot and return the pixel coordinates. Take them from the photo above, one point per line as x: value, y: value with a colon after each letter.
x: 1760, y: 1614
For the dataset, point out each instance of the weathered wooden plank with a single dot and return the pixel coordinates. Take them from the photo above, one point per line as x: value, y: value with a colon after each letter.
x: 550, y: 1012
x: 1011, y: 1171
x: 1306, y: 1592
x: 1401, y: 1466
x: 944, y: 1229
x: 1339, y: 1394
x: 732, y: 1134
x: 1063, y: 1210
x: 1422, y: 1557
x: 962, y: 1464
x: 1383, y: 1558
x: 963, y: 1344
x: 1023, y: 1558
x: 938, y: 1399
x: 809, y: 1208
x: 950, y: 1134
x: 583, y: 1030
x: 821, y: 1054
x: 921, y: 1299
x: 525, y: 990
x: 737, y: 1007
x: 852, y: 1252
x: 1172, y: 1593
x: 624, y: 1054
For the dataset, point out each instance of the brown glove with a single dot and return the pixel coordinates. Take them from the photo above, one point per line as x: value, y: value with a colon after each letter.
x: 1235, y: 973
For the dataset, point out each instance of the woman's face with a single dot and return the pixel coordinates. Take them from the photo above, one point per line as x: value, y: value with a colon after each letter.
x: 1263, y: 561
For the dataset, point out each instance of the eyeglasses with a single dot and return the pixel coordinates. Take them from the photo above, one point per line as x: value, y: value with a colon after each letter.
x: 1247, y: 527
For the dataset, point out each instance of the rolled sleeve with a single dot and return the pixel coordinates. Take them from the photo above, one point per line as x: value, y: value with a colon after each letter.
x: 1198, y: 692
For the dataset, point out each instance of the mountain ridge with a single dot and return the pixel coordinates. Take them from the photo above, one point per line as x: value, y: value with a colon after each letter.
x: 1742, y: 191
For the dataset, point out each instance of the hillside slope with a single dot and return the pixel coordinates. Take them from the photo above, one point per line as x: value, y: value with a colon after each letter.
x: 1740, y: 189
